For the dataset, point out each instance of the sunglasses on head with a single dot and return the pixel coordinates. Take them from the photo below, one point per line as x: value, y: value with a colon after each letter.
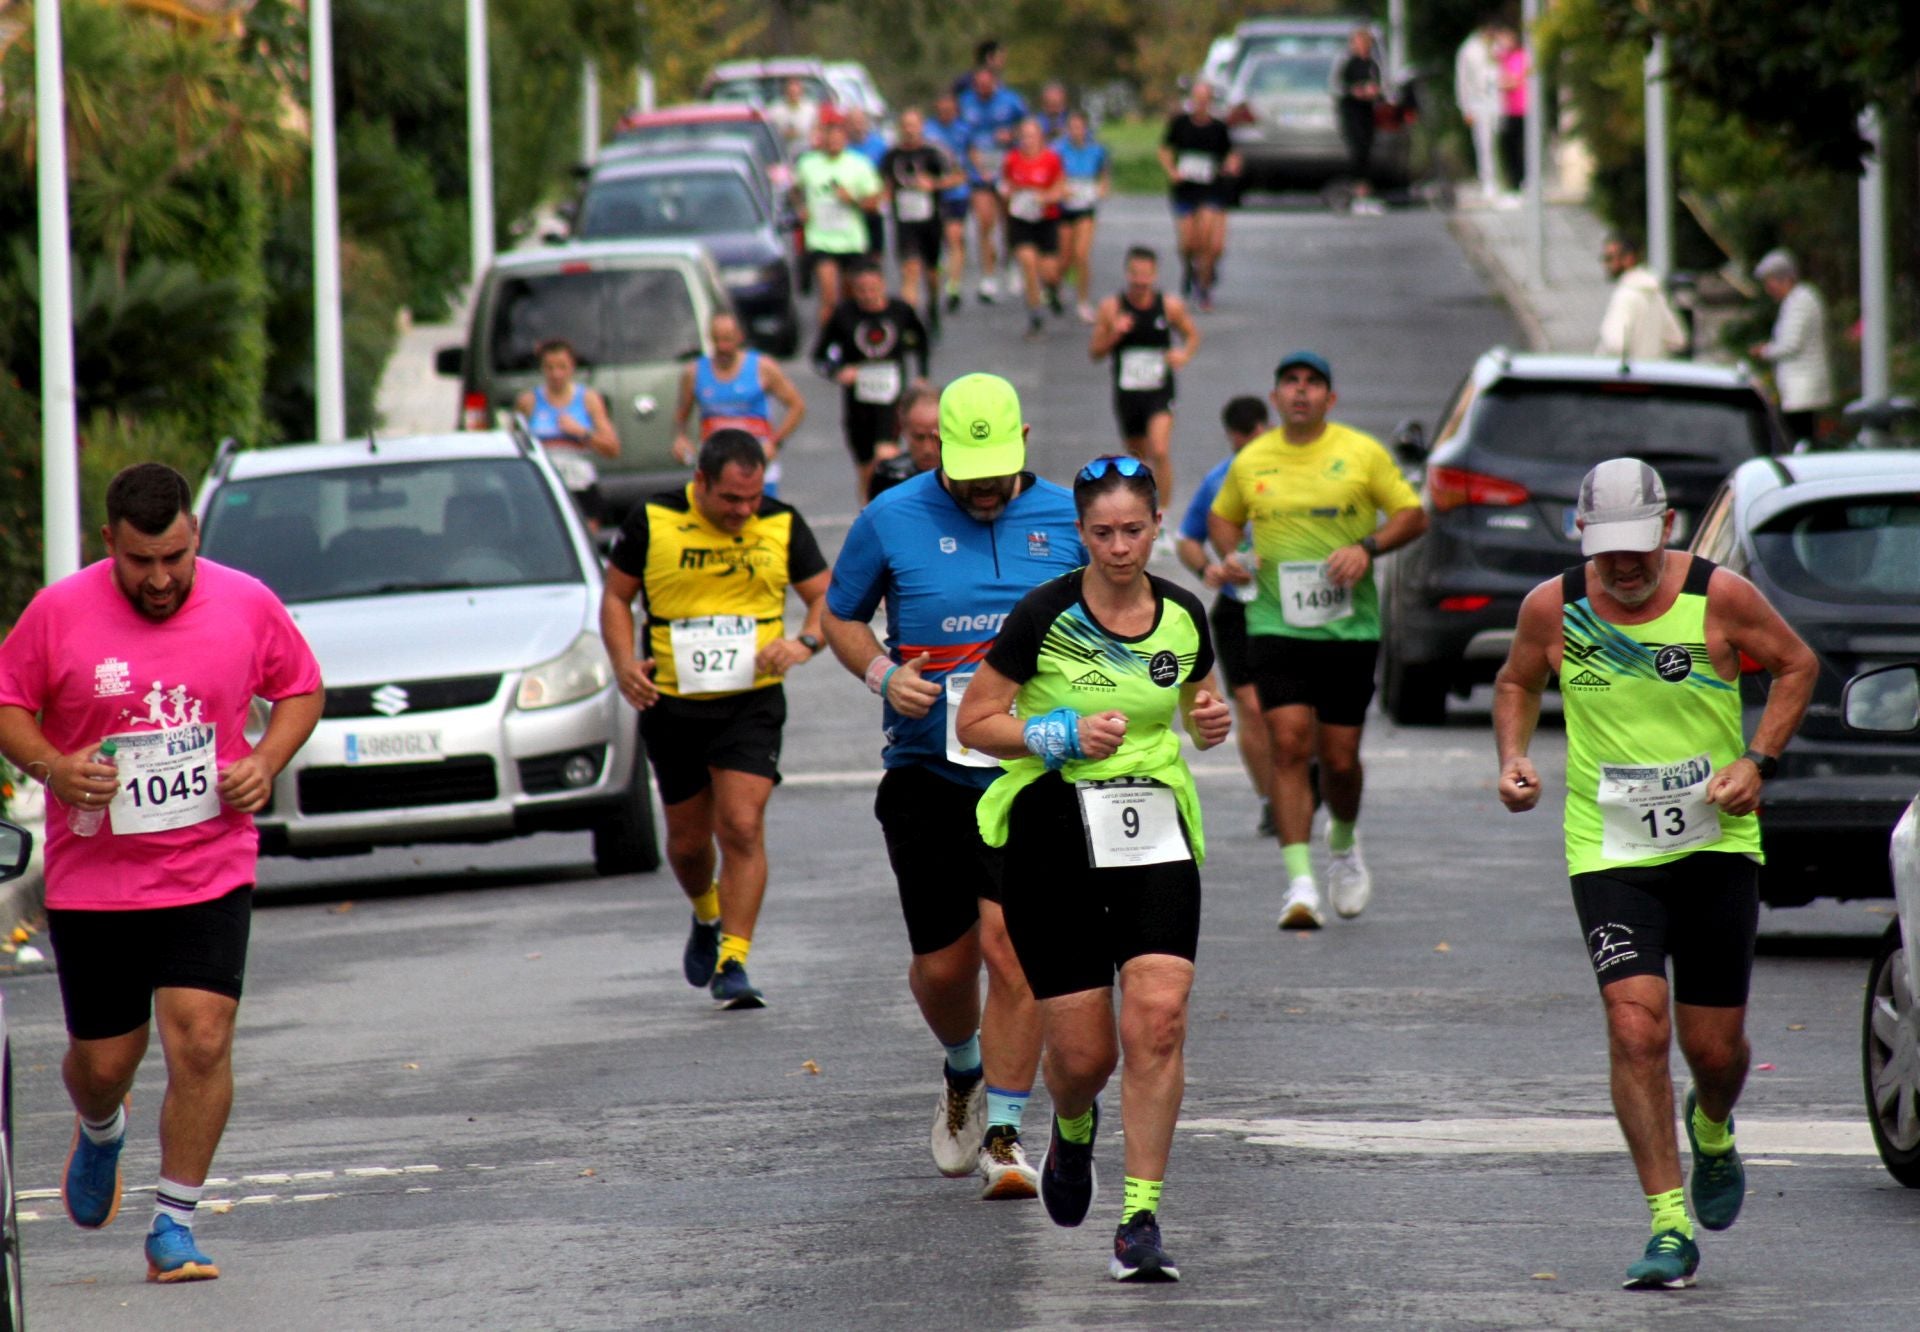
x: 1126, y: 466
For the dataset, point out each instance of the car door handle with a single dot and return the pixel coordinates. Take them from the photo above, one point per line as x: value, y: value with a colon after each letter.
x: 644, y: 405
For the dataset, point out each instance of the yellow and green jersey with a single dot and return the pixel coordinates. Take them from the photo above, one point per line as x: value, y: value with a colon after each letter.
x: 1305, y: 501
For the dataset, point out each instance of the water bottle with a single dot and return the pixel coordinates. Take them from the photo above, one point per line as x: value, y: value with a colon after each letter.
x: 85, y: 820
x: 1246, y: 592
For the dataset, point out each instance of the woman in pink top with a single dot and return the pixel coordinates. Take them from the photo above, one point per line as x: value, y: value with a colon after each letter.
x: 1514, y: 64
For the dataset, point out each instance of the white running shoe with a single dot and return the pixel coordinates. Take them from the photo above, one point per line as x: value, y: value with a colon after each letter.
x: 1004, y: 1167
x: 1086, y: 313
x: 1348, y: 883
x: 1301, y: 909
x: 959, y: 1122
x: 988, y: 290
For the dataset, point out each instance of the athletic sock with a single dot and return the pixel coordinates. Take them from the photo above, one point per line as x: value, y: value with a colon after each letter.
x: 733, y: 949
x: 1713, y: 1139
x: 1298, y: 858
x: 110, y: 1130
x: 965, y: 1056
x: 176, y: 1200
x: 706, y: 907
x: 1005, y: 1108
x: 1339, y: 836
x: 1143, y: 1195
x: 1670, y: 1212
x: 1079, y: 1129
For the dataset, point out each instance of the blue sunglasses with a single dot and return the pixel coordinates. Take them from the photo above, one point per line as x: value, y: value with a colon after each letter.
x: 1126, y: 466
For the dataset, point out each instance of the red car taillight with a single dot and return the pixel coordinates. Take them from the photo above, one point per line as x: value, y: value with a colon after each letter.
x: 475, y: 414
x: 1455, y: 487
x: 1240, y: 114
x: 1468, y: 603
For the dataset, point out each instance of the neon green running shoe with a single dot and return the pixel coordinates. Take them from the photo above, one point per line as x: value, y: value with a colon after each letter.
x: 1718, y: 1185
x: 1669, y: 1263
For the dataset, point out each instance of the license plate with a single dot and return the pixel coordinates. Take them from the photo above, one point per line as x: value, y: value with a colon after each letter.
x: 393, y: 747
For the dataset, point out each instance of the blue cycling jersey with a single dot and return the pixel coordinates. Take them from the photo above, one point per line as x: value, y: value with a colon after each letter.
x: 948, y: 580
x: 984, y: 119
x: 739, y: 397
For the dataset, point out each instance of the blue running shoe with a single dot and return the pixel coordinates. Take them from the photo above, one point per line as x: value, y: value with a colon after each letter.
x: 173, y: 1256
x: 1669, y: 1263
x: 92, y: 1186
x: 702, y: 954
x: 1137, y: 1255
x: 1718, y: 1185
x: 1067, y: 1178
x: 731, y: 989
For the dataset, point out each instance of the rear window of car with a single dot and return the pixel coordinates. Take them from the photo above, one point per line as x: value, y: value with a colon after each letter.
x: 755, y: 134
x: 1296, y: 74
x: 692, y: 204
x: 1862, y: 551
x: 1586, y: 424
x: 764, y: 90
x: 612, y: 316
x: 393, y: 528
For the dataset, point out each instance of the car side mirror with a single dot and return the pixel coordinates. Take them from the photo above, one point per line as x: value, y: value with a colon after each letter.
x: 16, y: 851
x: 1884, y: 701
x: 1410, y: 443
x: 450, y: 361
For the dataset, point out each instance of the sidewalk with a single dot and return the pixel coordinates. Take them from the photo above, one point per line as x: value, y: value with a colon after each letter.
x: 412, y: 399
x: 1563, y: 315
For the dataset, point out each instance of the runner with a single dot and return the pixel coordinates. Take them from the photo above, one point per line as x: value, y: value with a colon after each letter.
x: 149, y: 914
x: 1136, y: 329
x: 1315, y: 491
x: 1032, y: 183
x: 1197, y: 154
x: 953, y: 134
x: 991, y: 113
x: 915, y: 172
x: 834, y: 189
x: 1089, y: 178
x: 864, y: 348
x: 734, y: 389
x: 709, y: 689
x: 950, y: 553
x: 919, y: 414
x: 570, y: 420
x: 1101, y: 827
x: 1663, y: 844
x: 863, y: 138
x: 1053, y: 111
x: 1244, y: 419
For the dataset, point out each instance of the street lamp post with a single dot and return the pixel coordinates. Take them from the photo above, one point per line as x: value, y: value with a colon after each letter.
x: 1535, y: 130
x: 59, y: 431
x: 479, y: 140
x: 329, y: 359
x: 1876, y: 379
x: 1659, y: 163
x: 589, y: 111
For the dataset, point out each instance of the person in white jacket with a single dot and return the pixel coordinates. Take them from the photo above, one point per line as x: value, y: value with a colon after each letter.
x: 1476, y: 91
x: 1639, y: 324
x: 1798, y: 347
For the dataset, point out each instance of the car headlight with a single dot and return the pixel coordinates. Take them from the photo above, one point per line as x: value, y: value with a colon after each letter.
x: 580, y: 672
x: 748, y: 275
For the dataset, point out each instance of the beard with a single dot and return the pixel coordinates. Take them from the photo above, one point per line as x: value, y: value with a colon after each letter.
x: 1642, y: 595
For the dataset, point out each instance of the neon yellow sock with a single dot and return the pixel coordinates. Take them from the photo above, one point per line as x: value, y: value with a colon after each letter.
x: 1143, y: 1195
x: 733, y: 948
x: 706, y: 907
x: 1339, y: 835
x: 1079, y: 1129
x: 1298, y: 858
x: 1714, y: 1139
x: 1670, y: 1212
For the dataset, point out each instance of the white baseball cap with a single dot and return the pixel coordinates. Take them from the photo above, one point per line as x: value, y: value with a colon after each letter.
x: 1622, y: 507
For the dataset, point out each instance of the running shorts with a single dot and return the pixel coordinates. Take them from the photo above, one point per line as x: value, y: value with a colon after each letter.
x: 1229, y: 620
x: 1135, y: 410
x: 1043, y: 235
x: 1074, y: 215
x: 688, y: 737
x: 917, y: 240
x: 1701, y: 911
x: 1334, y: 678
x: 111, y: 962
x: 866, y: 424
x: 955, y: 210
x: 940, y: 865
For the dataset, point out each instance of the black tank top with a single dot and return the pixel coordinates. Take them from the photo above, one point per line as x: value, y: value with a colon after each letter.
x: 1150, y: 329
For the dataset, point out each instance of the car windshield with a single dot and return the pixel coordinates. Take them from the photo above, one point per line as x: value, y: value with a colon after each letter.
x: 393, y: 528
x: 755, y: 134
x: 1861, y: 550
x: 1322, y: 47
x: 1291, y: 74
x: 612, y: 316
x: 691, y: 204
x: 766, y: 89
x: 1585, y: 424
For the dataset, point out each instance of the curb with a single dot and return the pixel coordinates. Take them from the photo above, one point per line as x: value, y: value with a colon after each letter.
x: 1511, y: 290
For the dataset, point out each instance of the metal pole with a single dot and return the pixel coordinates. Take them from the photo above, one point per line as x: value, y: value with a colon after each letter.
x: 59, y: 430
x: 329, y: 360
x: 1876, y: 380
x: 589, y: 112
x: 1536, y: 148
x: 1659, y: 164
x: 1396, y: 41
x: 643, y: 89
x: 479, y: 139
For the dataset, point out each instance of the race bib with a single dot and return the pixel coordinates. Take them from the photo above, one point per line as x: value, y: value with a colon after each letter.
x: 168, y: 780
x: 1082, y: 194
x: 575, y: 468
x: 1194, y: 168
x: 1143, y: 369
x: 991, y: 160
x: 1027, y: 205
x: 713, y: 654
x: 913, y: 205
x: 1655, y: 809
x: 1131, y: 821
x: 828, y: 213
x: 957, y: 752
x: 876, y: 382
x: 1308, y: 599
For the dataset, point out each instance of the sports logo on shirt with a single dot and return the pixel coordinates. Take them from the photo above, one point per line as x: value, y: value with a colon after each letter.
x: 1095, y: 679
x: 1163, y: 668
x: 112, y: 678
x: 1038, y: 545
x: 166, y: 708
x: 1673, y: 663
x: 1588, y: 680
x: 948, y: 545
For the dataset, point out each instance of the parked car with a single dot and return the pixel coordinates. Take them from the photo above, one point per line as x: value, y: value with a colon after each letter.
x: 1886, y: 702
x: 717, y: 201
x: 1500, y: 483
x: 762, y: 82
x: 1282, y: 115
x: 636, y: 311
x: 1881, y: 423
x: 16, y: 852
x: 696, y: 124
x: 1312, y: 37
x: 1833, y: 540
x: 450, y: 591
x: 853, y: 85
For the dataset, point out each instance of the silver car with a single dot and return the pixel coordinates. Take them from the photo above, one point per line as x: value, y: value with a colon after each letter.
x: 452, y: 595
x: 1282, y: 114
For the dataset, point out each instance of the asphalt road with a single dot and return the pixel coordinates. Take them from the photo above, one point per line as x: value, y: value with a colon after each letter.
x: 475, y: 1093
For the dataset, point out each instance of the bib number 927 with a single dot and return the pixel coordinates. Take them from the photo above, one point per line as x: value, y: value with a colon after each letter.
x: 714, y: 659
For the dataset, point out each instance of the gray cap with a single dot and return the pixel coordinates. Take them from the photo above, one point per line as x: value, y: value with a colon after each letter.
x: 1623, y: 506
x: 1776, y: 263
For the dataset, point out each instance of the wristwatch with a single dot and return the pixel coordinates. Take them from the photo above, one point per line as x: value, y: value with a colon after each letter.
x: 1369, y: 544
x: 809, y: 642
x: 1768, y: 764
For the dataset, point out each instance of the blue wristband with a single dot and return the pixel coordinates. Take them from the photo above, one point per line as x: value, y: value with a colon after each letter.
x: 1054, y: 737
x: 884, y: 681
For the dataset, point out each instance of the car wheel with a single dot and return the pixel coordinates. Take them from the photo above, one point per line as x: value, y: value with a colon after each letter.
x: 13, y: 1316
x: 624, y: 842
x: 1413, y: 693
x: 1890, y: 1061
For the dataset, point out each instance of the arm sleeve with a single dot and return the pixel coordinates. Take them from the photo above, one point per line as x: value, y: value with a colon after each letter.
x: 283, y: 663
x: 1016, y: 650
x: 829, y: 352
x: 1613, y: 325
x: 23, y: 659
x: 1230, y: 503
x: 629, y: 553
x: 804, y: 559
x: 859, y: 572
x: 1203, y: 656
x: 1194, y: 525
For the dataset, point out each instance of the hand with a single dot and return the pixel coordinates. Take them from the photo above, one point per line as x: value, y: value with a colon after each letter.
x: 1122, y: 324
x: 636, y: 683
x: 245, y: 785
x: 1178, y: 357
x: 1210, y: 719
x: 781, y: 656
x: 1519, y: 785
x: 1347, y: 565
x: 1735, y: 788
x: 1213, y: 575
x: 910, y: 694
x: 1101, y: 734
x: 1233, y: 571
x: 845, y: 376
x: 77, y: 781
x: 683, y: 450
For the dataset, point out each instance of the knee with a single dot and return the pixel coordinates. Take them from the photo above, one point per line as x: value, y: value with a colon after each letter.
x: 1155, y: 1028
x: 1082, y: 1064
x: 96, y: 1071
x: 739, y: 830
x: 1003, y: 964
x: 1340, y: 767
x: 1637, y: 1034
x: 1718, y: 1060
x: 1290, y: 748
x: 198, y: 1047
x: 949, y: 968
x: 687, y: 844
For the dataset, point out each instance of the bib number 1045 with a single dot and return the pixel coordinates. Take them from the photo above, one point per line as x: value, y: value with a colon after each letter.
x: 154, y: 790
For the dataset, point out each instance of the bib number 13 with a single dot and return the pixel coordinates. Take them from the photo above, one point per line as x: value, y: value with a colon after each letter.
x: 1671, y: 821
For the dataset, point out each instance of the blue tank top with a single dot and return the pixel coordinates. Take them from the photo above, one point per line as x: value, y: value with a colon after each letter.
x: 1083, y: 163
x: 546, y: 418
x: 733, y: 398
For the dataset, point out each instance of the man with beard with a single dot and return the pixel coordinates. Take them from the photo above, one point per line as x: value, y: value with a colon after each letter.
x: 864, y: 348
x: 149, y: 913
x: 1663, y: 842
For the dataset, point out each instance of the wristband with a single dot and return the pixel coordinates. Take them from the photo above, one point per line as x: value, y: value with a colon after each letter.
x: 1371, y: 545
x: 1054, y: 737
x: 877, y: 671
x: 885, y: 680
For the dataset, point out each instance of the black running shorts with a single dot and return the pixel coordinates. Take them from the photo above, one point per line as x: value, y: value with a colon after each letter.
x: 1135, y: 410
x: 111, y: 962
x: 1043, y: 235
x: 917, y: 240
x: 688, y: 737
x: 866, y: 424
x: 1331, y: 676
x: 940, y: 865
x: 1229, y: 620
x: 1701, y: 911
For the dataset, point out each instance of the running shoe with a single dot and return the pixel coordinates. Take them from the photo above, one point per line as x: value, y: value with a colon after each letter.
x: 1348, y: 883
x: 173, y: 1256
x: 1068, y: 1181
x: 92, y: 1186
x: 732, y: 989
x: 1718, y: 1185
x: 1087, y: 313
x: 1301, y: 909
x: 1669, y: 1263
x: 702, y: 953
x: 1206, y: 300
x: 989, y: 289
x: 1137, y: 1255
x: 1053, y: 301
x: 1266, y: 827
x: 953, y: 300
x: 1004, y: 1166
x: 1036, y: 327
x: 959, y: 1118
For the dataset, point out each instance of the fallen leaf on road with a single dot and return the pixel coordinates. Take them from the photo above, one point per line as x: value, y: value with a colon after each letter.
x: 1764, y: 1068
x: 20, y: 934
x: 410, y: 1066
x: 222, y: 1207
x: 811, y: 1067
x: 1796, y: 1026
x: 341, y: 908
x: 1443, y: 947
x: 588, y: 1173
x: 1296, y: 1012
x: 533, y: 957
x: 1546, y: 1276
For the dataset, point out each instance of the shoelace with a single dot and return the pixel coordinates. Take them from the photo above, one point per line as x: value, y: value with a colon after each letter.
x: 957, y: 1108
x: 1001, y: 1149
x: 1668, y: 1243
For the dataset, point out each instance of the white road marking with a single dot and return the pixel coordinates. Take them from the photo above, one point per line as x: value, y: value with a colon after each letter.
x: 219, y: 1204
x: 1202, y: 771
x: 1774, y: 1138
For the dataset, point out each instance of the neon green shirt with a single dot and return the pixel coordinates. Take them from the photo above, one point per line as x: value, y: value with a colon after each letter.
x: 835, y: 226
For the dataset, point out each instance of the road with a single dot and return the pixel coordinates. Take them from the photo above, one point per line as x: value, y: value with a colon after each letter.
x: 475, y: 1093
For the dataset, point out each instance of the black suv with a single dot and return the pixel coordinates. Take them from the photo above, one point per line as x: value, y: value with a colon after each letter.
x: 1500, y: 482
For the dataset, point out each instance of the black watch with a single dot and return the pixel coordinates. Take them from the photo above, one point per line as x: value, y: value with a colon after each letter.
x: 809, y: 642
x: 1768, y: 764
x: 1371, y: 545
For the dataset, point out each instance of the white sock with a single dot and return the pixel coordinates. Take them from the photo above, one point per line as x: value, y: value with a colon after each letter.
x: 107, y: 1130
x: 176, y: 1200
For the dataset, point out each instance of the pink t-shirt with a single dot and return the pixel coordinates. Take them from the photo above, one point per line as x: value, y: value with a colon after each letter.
x: 174, y: 695
x: 1513, y: 69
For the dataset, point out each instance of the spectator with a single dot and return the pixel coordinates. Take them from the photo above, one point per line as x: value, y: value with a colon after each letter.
x: 1639, y: 325
x: 793, y: 117
x: 1798, y: 347
x: 1357, y: 90
x: 1476, y: 91
x: 1514, y: 63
